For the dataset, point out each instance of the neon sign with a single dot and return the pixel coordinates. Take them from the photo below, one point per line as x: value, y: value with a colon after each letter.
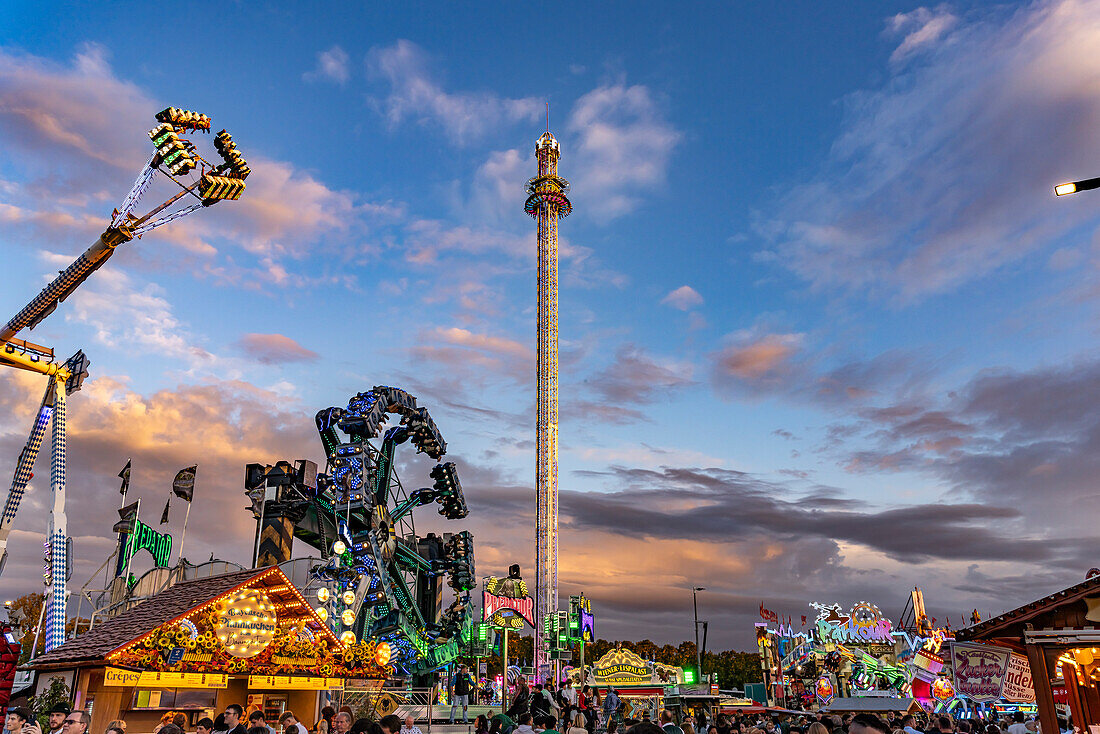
x: 142, y: 538
x: 524, y: 607
x: 864, y: 623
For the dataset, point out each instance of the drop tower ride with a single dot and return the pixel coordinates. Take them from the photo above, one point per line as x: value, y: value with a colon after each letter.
x: 546, y: 203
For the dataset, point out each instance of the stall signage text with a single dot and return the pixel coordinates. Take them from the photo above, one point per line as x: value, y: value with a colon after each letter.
x: 863, y: 624
x: 1018, y: 684
x: 154, y: 679
x: 293, y: 683
x: 524, y: 606
x: 979, y: 670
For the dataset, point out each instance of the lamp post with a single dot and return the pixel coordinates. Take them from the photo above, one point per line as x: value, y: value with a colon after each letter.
x: 698, y: 652
x: 1074, y: 186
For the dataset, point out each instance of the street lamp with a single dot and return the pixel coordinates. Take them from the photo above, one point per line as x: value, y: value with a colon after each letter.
x: 1074, y: 186
x: 698, y: 652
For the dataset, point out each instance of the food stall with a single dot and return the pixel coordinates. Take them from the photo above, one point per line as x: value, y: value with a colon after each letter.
x: 247, y: 637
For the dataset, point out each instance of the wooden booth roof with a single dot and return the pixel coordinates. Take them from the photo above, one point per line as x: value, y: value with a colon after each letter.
x: 1062, y: 609
x: 171, y: 605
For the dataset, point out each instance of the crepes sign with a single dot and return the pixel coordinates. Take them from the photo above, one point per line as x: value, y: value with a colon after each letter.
x: 979, y: 670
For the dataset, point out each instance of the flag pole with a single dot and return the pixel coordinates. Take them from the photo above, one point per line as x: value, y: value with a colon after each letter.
x: 183, y: 537
x: 129, y: 541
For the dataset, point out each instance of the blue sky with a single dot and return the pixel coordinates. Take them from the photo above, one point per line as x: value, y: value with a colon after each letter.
x: 826, y: 334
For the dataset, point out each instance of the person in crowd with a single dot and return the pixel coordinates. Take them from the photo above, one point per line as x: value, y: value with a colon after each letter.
x: 114, y: 730
x: 233, y: 719
x: 501, y: 724
x: 611, y: 705
x: 944, y: 725
x: 666, y: 722
x: 481, y: 724
x: 578, y: 725
x: 1032, y: 725
x: 867, y: 724
x: 290, y: 724
x: 540, y: 704
x: 341, y: 722
x: 256, y: 718
x: 164, y: 721
x: 548, y: 723
x: 324, y: 724
x: 120, y: 724
x: 410, y: 726
x: 817, y: 728
x: 260, y: 729
x: 645, y: 726
x: 722, y: 723
x: 180, y: 720
x: 57, y: 715
x: 460, y: 692
x: 204, y: 726
x: 963, y: 727
x: 76, y: 722
x: 390, y: 724
x: 522, y: 700
x: 17, y: 719
x: 525, y: 724
x: 1017, y: 726
x: 171, y: 728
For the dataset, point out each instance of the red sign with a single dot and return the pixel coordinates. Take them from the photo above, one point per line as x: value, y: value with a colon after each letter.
x: 524, y: 607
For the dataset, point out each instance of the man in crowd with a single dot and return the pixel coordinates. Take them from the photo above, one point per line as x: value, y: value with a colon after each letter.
x: 256, y: 718
x: 909, y: 724
x: 390, y: 724
x: 341, y: 723
x: 76, y: 723
x: 232, y: 718
x: 17, y: 717
x: 290, y: 724
x: 525, y: 727
x: 57, y: 717
x: 944, y: 725
x: 460, y: 692
x: 410, y: 726
x: 204, y: 726
x: 1017, y: 726
x: 666, y: 722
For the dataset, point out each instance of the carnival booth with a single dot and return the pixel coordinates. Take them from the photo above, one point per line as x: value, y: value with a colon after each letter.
x: 641, y: 684
x: 247, y: 637
x: 1046, y: 652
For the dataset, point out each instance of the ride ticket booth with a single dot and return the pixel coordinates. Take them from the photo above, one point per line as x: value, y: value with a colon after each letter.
x: 247, y: 637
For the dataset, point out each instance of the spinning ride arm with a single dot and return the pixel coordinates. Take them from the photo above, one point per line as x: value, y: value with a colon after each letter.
x: 396, y: 582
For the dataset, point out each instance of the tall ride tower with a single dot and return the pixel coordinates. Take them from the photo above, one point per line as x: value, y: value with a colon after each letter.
x: 546, y: 202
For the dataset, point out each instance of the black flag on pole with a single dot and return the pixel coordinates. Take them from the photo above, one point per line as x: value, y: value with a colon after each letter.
x: 124, y: 475
x: 164, y: 515
x: 184, y: 484
x: 128, y: 515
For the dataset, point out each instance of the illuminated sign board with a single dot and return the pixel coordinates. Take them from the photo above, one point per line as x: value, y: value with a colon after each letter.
x: 863, y: 624
x: 247, y: 624
x: 524, y: 607
x: 153, y: 679
x: 144, y: 537
x: 293, y: 683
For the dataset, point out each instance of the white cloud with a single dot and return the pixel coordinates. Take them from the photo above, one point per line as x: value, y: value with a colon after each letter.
x: 74, y: 138
x: 415, y: 94
x: 922, y: 27
x: 945, y: 172
x: 332, y: 65
x: 623, y: 143
x: 684, y: 298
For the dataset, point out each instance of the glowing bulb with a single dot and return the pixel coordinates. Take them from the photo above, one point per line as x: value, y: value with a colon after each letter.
x: 348, y: 638
x: 382, y: 653
x: 338, y: 547
x: 1066, y: 188
x: 348, y: 617
x: 322, y: 613
x: 322, y: 595
x: 348, y: 597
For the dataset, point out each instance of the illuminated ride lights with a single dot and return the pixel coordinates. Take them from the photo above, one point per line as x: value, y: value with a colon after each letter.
x: 547, y: 201
x: 385, y: 581
x: 174, y: 156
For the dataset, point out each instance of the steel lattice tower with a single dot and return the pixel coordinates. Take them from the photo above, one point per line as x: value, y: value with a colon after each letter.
x: 546, y: 202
